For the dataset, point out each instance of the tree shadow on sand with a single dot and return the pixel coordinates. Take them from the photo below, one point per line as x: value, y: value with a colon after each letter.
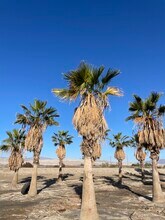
x: 66, y: 175
x: 26, y: 186
x: 78, y: 189
x: 47, y: 184
x: 146, y: 172
x: 119, y: 185
x: 28, y: 179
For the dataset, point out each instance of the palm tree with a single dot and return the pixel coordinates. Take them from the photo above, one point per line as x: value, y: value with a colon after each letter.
x: 61, y: 139
x: 14, y: 143
x: 140, y: 154
x: 147, y: 115
x: 119, y: 142
x: 86, y: 82
x: 37, y: 118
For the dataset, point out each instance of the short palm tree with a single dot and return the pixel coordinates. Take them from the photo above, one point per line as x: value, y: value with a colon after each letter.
x: 147, y: 115
x: 61, y: 139
x: 88, y: 83
x: 120, y: 141
x: 14, y: 143
x: 37, y: 118
x: 140, y: 154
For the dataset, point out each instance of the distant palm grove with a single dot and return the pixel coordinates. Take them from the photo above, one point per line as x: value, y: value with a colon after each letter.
x: 92, y: 85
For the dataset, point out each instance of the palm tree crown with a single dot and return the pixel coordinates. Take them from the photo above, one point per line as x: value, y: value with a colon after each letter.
x: 148, y: 117
x: 62, y: 138
x: 37, y: 114
x: 36, y: 118
x: 119, y: 141
x: 88, y: 83
x: 86, y: 79
x: 15, y: 143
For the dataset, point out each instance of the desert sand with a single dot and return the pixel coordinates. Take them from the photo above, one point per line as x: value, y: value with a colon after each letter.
x: 62, y: 201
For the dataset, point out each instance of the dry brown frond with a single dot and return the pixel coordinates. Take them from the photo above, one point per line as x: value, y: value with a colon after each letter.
x: 139, y: 120
x: 151, y: 138
x: 146, y: 136
x: 15, y: 160
x: 140, y: 154
x: 61, y: 152
x: 119, y: 154
x: 37, y: 151
x: 141, y: 137
x: 87, y: 147
x: 34, y: 139
x: 89, y: 120
x: 96, y: 151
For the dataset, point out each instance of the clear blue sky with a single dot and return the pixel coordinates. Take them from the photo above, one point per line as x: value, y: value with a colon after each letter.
x: 40, y: 40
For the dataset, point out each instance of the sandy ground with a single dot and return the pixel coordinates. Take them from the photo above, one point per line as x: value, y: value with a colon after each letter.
x: 62, y: 201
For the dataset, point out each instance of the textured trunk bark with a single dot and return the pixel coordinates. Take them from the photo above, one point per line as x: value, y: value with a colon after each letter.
x: 142, y: 169
x: 60, y: 171
x: 15, y: 179
x: 33, y: 183
x: 88, y: 206
x: 120, y: 171
x: 157, y: 193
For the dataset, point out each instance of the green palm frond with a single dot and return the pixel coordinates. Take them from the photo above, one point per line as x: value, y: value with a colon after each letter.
x: 132, y: 117
x: 109, y: 76
x: 96, y: 73
x: 86, y: 79
x: 66, y: 94
x: 120, y: 141
x: 37, y: 115
x: 161, y: 110
x: 5, y: 148
x: 147, y: 116
x: 15, y: 140
x: 154, y: 97
x: 62, y: 138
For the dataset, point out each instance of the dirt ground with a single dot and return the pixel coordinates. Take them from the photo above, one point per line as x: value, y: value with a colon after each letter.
x: 62, y: 201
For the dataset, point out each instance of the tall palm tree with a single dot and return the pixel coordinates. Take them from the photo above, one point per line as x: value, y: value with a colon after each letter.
x: 147, y: 115
x: 61, y: 139
x: 140, y: 154
x: 14, y: 143
x: 36, y: 119
x: 120, y: 141
x: 88, y: 83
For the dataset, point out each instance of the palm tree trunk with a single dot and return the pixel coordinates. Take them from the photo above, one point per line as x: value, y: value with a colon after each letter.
x: 88, y: 206
x: 15, y: 179
x: 60, y: 170
x: 33, y: 183
x: 142, y: 169
x: 120, y: 171
x: 157, y: 193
